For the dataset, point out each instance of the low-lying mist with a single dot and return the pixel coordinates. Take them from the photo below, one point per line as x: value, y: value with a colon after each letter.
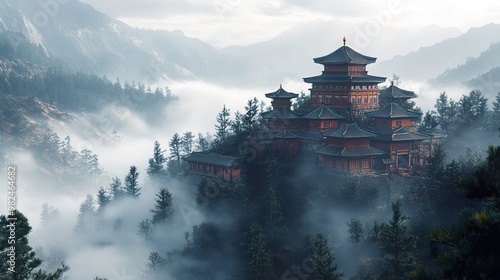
x: 115, y: 250
x: 102, y: 250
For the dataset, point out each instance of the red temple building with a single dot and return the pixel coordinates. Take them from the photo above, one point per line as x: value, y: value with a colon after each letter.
x: 389, y: 142
x: 281, y: 116
x: 395, y: 94
x: 396, y: 135
x: 345, y: 82
x: 348, y: 149
x: 322, y: 119
x: 213, y: 165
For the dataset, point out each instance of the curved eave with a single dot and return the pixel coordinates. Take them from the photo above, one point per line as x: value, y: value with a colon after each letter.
x: 344, y: 55
x: 350, y: 152
x: 345, y: 79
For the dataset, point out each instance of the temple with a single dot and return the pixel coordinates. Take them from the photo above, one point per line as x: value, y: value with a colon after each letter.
x: 345, y: 84
x: 384, y: 139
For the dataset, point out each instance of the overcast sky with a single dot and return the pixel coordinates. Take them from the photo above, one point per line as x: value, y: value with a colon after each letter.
x: 240, y: 22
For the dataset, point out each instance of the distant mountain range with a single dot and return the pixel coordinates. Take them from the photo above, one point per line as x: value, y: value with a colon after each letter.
x: 80, y: 38
x: 85, y: 39
x: 439, y: 59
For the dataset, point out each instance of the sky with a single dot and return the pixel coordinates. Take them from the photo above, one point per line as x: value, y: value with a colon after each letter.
x: 237, y: 22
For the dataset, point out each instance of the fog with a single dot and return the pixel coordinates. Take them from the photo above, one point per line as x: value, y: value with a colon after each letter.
x: 127, y: 140
x: 100, y: 250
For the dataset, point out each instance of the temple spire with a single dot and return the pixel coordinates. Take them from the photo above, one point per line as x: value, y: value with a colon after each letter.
x: 344, y: 40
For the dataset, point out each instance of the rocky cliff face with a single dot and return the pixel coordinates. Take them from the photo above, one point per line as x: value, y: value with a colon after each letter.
x: 85, y: 39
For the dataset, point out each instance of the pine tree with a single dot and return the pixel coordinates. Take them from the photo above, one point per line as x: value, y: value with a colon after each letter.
x: 187, y: 142
x: 163, y: 208
x: 429, y: 122
x: 223, y: 124
x: 473, y: 109
x: 87, y: 212
x: 115, y: 189
x: 175, y: 153
x: 237, y: 124
x: 67, y: 149
x: 202, y: 143
x: 320, y: 259
x: 258, y: 262
x: 156, y: 166
x: 250, y: 118
x: 25, y: 259
x: 355, y: 230
x: 131, y: 182
x: 274, y: 214
x: 155, y: 263
x: 48, y: 214
x: 103, y: 199
x: 396, y: 245
x: 144, y: 228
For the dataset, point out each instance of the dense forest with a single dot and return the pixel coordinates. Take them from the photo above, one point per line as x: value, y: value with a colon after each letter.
x: 288, y: 219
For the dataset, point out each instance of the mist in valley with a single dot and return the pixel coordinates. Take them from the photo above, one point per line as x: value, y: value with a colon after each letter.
x: 74, y: 148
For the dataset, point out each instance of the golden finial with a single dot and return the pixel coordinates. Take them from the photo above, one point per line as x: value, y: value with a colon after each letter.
x: 344, y: 40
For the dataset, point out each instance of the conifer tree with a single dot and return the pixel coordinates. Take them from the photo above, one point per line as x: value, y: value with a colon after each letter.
x: 396, y: 245
x: 250, y: 118
x: 258, y: 256
x: 116, y: 189
x: 222, y: 124
x: 48, y: 214
x: 237, y: 124
x: 155, y: 264
x: 320, y: 259
x: 103, y: 199
x: 175, y: 149
x: 274, y: 217
x: 131, y: 182
x: 26, y: 260
x: 355, y: 230
x: 87, y: 212
x: 187, y: 142
x: 163, y: 208
x: 156, y: 166
x: 144, y: 228
x: 202, y: 143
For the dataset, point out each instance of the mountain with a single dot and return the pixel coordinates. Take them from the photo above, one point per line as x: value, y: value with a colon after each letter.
x: 429, y: 62
x: 85, y: 39
x: 488, y: 83
x: 81, y: 38
x: 472, y: 68
x: 292, y: 52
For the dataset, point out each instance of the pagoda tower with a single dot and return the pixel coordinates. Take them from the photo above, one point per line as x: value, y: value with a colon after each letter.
x: 281, y: 116
x: 345, y: 82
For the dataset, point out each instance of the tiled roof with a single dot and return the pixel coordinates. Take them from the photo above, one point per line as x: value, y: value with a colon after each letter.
x: 344, y: 79
x: 392, y: 111
x: 281, y: 93
x: 285, y: 134
x: 310, y: 135
x: 261, y: 135
x: 395, y: 92
x: 323, y: 113
x: 345, y: 54
x: 401, y: 134
x: 362, y: 151
x: 211, y: 158
x: 280, y: 114
x: 351, y: 130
